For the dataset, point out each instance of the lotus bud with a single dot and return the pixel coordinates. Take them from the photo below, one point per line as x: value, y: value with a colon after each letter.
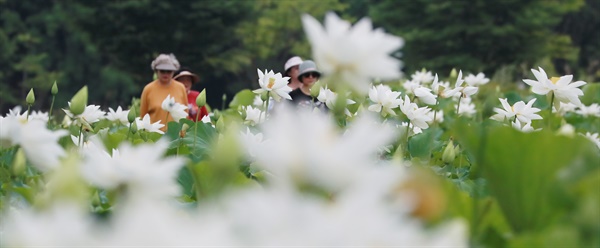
x: 264, y: 96
x: 79, y: 101
x: 134, y: 128
x: 201, y: 99
x: 453, y: 73
x: 131, y: 115
x: 19, y: 163
x: 30, y: 97
x: 185, y: 127
x: 54, y: 89
x: 224, y: 97
x: 316, y: 89
x: 449, y: 153
x: 220, y: 124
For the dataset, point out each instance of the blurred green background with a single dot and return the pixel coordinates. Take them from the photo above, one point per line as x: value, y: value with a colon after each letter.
x: 108, y: 45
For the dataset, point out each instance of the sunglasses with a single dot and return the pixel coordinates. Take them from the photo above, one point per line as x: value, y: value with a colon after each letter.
x: 311, y: 74
x: 164, y: 71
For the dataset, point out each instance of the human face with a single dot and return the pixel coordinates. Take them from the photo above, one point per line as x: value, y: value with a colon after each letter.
x: 164, y: 76
x: 293, y: 71
x: 187, y: 82
x: 310, y: 78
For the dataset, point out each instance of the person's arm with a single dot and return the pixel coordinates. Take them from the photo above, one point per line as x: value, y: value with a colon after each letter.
x: 144, y: 103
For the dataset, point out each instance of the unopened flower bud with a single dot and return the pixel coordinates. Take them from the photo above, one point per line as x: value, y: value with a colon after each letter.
x: 449, y: 153
x: 134, y: 128
x: 220, y: 124
x: 185, y: 127
x: 131, y: 115
x: 79, y: 101
x: 264, y: 96
x: 19, y: 163
x: 201, y: 99
x: 453, y: 73
x: 30, y: 97
x: 316, y: 89
x: 54, y: 89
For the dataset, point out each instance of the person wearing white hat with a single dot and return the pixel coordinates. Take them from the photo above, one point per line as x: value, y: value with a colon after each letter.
x: 188, y: 78
x: 291, y: 70
x: 155, y: 92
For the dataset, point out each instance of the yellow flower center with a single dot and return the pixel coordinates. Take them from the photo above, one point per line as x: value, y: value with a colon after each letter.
x: 554, y: 79
x: 271, y: 83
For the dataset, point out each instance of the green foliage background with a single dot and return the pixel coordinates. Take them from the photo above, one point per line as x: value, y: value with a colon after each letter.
x: 109, y: 45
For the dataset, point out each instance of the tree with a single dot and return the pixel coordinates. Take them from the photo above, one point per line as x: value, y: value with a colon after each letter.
x: 475, y: 35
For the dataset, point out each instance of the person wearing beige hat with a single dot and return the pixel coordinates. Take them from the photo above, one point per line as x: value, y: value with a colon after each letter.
x: 155, y: 92
x: 188, y: 78
x: 291, y: 69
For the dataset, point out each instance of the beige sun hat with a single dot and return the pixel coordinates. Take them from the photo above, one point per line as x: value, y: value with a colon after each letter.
x: 293, y: 61
x: 166, y: 62
x: 195, y: 78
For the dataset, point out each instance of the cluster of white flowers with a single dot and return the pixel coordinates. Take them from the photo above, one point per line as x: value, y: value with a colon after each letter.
x: 323, y: 185
x: 520, y: 113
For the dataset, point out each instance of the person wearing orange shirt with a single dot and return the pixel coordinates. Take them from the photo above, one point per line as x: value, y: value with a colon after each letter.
x: 155, y: 92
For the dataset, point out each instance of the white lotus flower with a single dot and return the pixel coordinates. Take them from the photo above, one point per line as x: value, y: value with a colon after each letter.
x: 175, y: 109
x: 145, y: 124
x: 592, y: 110
x: 473, y: 80
x: 412, y: 128
x: 523, y: 127
x: 258, y: 102
x: 439, y: 116
x: 16, y: 114
x: 424, y: 95
x: 524, y: 112
x: 254, y: 116
x: 461, y: 90
x: 39, y: 116
x: 411, y: 85
x: 329, y: 97
x: 440, y: 88
x: 91, y: 114
x: 142, y: 168
x: 564, y: 91
x: 39, y: 144
x: 385, y: 99
x: 62, y: 225
x: 251, y: 141
x: 566, y: 130
x: 273, y: 83
x: 467, y: 107
x: 206, y: 119
x: 118, y: 116
x: 422, y: 77
x: 306, y: 146
x: 353, y: 54
x: 417, y: 116
x: 564, y: 108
